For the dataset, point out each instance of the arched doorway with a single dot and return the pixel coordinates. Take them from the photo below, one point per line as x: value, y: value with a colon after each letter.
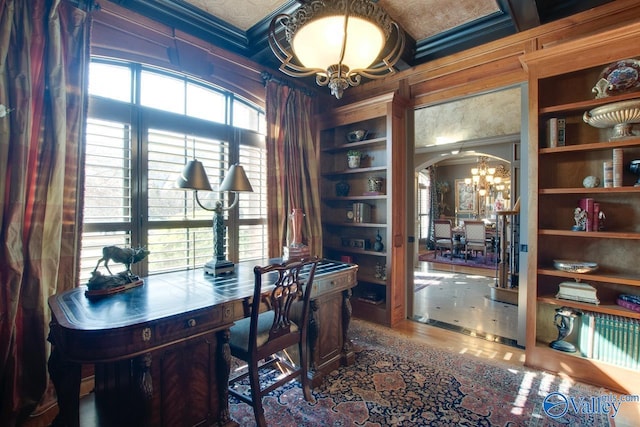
x: 454, y: 135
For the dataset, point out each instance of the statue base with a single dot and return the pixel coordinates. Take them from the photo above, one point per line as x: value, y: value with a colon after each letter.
x: 100, y: 285
x: 562, y: 346
x: 217, y: 267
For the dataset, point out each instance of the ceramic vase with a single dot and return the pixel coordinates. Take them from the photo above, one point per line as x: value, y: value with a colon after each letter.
x: 342, y: 189
x: 297, y: 217
x: 353, y: 161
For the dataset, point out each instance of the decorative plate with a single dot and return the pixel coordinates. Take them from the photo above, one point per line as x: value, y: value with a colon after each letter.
x: 619, y: 77
x: 575, y: 266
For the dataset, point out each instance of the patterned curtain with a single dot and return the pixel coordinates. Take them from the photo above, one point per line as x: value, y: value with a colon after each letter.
x: 293, y: 177
x: 43, y: 59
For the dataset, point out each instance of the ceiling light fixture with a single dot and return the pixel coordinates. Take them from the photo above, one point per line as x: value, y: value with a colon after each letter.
x: 338, y: 41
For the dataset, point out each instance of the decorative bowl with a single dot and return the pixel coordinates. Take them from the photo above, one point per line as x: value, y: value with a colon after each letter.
x: 619, y: 77
x: 619, y: 115
x: 571, y: 266
x: 357, y: 135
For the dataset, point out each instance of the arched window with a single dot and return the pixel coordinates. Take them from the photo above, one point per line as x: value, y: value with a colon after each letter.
x: 143, y: 125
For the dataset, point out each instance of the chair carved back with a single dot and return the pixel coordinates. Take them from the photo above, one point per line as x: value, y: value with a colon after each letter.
x: 291, y: 283
x: 474, y: 231
x: 442, y: 229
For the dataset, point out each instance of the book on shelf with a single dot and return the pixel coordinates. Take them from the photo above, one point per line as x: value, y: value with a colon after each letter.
x: 607, y: 167
x: 618, y: 158
x: 556, y: 132
x: 631, y: 302
x: 610, y: 339
x: 562, y: 125
x: 587, y: 205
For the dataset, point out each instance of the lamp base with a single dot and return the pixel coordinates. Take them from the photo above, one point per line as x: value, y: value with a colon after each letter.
x: 218, y: 267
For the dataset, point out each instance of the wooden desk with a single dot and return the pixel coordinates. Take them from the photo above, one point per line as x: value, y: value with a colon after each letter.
x: 161, y: 350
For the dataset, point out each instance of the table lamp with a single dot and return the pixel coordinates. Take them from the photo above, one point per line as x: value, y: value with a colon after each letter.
x: 194, y: 177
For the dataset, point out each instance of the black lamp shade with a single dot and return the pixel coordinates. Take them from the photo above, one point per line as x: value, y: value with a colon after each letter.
x: 194, y: 177
x: 236, y: 180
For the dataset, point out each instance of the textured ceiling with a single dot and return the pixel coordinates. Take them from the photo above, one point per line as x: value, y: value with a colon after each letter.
x: 443, y: 15
x: 435, y: 28
x: 242, y: 14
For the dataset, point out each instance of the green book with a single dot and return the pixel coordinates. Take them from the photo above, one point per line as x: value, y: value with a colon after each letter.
x: 608, y: 333
x: 635, y: 348
x: 626, y: 346
x: 585, y: 341
x: 597, y: 336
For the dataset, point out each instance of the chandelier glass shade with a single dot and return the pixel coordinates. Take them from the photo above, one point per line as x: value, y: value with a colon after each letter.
x: 338, y: 41
x: 482, y: 177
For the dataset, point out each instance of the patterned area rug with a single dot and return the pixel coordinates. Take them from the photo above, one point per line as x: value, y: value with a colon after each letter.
x: 397, y: 381
x: 478, y: 261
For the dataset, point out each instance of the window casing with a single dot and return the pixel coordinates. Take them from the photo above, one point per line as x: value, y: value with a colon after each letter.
x: 134, y: 154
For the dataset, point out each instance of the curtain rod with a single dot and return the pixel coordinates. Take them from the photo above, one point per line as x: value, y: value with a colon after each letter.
x: 267, y: 77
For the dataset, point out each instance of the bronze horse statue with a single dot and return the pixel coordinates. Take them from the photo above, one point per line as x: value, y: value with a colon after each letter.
x: 126, y: 256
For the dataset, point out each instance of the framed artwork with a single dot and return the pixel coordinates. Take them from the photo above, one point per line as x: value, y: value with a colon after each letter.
x: 465, y: 200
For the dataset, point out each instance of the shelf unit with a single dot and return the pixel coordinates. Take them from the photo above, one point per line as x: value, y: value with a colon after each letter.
x: 561, y: 87
x: 380, y: 293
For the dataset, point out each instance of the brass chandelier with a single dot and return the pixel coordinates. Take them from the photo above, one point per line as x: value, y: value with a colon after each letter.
x: 338, y: 41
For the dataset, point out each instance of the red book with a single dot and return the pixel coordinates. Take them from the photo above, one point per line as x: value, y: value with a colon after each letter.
x: 587, y: 205
x: 596, y: 217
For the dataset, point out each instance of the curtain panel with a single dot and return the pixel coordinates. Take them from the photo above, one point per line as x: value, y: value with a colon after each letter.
x: 43, y: 60
x: 292, y: 167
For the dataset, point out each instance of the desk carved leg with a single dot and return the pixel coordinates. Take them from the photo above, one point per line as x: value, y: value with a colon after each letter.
x: 223, y: 370
x: 313, y: 335
x: 144, y: 383
x: 348, y: 356
x: 65, y: 376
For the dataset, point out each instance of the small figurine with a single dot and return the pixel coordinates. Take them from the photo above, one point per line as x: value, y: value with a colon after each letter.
x: 378, y: 245
x: 601, y: 218
x: 580, y: 218
x: 127, y: 256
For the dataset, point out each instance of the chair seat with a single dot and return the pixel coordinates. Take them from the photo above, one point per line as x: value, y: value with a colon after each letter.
x: 443, y: 242
x: 239, y: 339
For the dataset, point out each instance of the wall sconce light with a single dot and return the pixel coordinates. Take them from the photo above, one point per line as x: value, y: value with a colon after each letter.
x: 337, y: 40
x: 194, y: 177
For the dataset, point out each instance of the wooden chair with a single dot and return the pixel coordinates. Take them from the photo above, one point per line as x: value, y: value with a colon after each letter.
x: 474, y: 238
x: 260, y: 338
x: 443, y: 236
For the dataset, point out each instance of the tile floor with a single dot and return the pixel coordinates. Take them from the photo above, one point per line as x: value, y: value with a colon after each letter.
x: 461, y: 303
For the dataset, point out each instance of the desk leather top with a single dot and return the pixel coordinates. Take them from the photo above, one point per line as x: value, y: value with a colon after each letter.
x: 165, y: 295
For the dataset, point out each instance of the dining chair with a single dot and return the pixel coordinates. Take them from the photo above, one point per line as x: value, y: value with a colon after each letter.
x: 278, y: 320
x: 443, y: 236
x: 474, y: 238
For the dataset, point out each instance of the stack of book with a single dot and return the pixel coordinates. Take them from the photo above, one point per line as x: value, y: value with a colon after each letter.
x: 631, y: 302
x: 611, y: 339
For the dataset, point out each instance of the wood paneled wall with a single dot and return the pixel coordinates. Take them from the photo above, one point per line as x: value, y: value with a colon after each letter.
x: 119, y: 33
